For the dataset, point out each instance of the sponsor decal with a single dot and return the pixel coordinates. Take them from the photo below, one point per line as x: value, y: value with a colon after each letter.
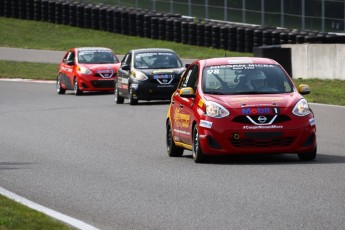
x: 105, y: 71
x: 239, y: 66
x: 205, y: 124
x: 201, y: 103
x: 181, y: 131
x: 67, y: 69
x: 124, y: 80
x: 246, y: 127
x: 259, y: 100
x: 312, y: 121
x: 181, y: 119
x: 162, y: 76
x: 259, y: 110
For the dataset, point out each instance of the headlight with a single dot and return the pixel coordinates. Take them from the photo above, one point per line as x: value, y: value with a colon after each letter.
x: 139, y: 76
x: 83, y: 70
x: 301, y: 108
x: 215, y: 110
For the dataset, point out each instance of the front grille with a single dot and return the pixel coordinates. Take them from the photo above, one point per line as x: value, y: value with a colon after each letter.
x: 245, y: 120
x: 262, y: 143
x: 102, y: 84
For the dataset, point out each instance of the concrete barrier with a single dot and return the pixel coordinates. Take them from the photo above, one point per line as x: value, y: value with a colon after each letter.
x: 321, y: 61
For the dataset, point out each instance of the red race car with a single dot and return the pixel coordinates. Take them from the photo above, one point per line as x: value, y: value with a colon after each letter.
x: 234, y: 105
x: 87, y: 69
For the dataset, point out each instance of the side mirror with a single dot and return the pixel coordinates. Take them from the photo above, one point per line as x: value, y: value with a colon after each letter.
x: 303, y: 89
x: 187, y: 65
x: 187, y: 92
x: 125, y: 67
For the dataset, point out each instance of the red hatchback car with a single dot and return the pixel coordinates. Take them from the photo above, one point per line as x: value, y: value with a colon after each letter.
x: 87, y: 69
x: 234, y: 105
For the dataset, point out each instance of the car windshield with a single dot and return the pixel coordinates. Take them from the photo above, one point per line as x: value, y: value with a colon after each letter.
x: 245, y: 79
x: 96, y: 56
x: 156, y: 60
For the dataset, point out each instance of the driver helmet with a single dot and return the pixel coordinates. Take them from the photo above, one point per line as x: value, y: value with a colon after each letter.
x: 256, y: 78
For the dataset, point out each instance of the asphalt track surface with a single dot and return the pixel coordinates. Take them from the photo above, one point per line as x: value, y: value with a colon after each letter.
x: 106, y: 165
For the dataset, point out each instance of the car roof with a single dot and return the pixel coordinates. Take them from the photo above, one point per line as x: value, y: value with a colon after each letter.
x: 237, y: 61
x: 144, y: 50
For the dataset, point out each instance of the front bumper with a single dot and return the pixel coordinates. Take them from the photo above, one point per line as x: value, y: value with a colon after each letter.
x: 232, y: 138
x: 153, y: 91
x: 96, y: 84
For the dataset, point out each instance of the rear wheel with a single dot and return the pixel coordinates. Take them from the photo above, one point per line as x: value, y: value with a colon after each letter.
x: 308, y: 156
x: 77, y: 90
x: 132, y: 100
x: 198, y: 155
x: 59, y: 90
x: 172, y: 149
x: 118, y: 98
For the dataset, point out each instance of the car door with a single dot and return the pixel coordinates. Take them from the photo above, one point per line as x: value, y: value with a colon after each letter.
x: 123, y: 76
x: 66, y: 69
x: 183, y: 107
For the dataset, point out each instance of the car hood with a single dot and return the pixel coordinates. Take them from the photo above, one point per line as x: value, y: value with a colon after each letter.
x: 240, y: 101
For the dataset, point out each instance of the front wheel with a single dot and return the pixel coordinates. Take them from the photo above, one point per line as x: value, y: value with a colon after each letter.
x: 76, y: 88
x: 172, y: 149
x: 198, y: 155
x: 308, y: 156
x: 132, y: 100
x: 118, y: 98
x: 59, y: 90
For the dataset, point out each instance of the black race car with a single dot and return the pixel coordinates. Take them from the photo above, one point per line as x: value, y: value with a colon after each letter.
x: 148, y: 74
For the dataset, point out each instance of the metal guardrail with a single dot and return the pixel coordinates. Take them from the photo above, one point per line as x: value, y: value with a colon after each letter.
x: 321, y: 15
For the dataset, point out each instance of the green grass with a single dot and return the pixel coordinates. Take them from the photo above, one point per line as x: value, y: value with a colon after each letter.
x: 28, y: 70
x: 324, y: 91
x: 16, y: 216
x: 41, y: 35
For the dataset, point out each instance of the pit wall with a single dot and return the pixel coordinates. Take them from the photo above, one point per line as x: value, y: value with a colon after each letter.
x: 320, y: 61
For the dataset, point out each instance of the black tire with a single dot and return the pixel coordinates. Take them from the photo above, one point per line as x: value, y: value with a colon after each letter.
x: 76, y: 88
x: 172, y: 149
x: 59, y: 90
x: 308, y: 156
x: 132, y: 101
x: 198, y: 155
x: 118, y: 98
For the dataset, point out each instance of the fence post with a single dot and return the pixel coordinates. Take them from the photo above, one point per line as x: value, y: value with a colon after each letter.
x: 263, y: 12
x: 323, y: 15
x: 303, y: 15
x: 172, y: 6
x: 206, y: 9
x: 225, y: 10
x: 244, y: 11
x: 282, y: 13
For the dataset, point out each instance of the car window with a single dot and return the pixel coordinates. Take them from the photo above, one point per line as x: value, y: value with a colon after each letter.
x: 96, y: 56
x: 156, y: 60
x: 190, y: 77
x: 69, y: 57
x: 247, y: 78
x: 127, y: 59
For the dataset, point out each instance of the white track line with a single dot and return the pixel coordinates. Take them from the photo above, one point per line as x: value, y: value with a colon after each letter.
x: 59, y: 216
